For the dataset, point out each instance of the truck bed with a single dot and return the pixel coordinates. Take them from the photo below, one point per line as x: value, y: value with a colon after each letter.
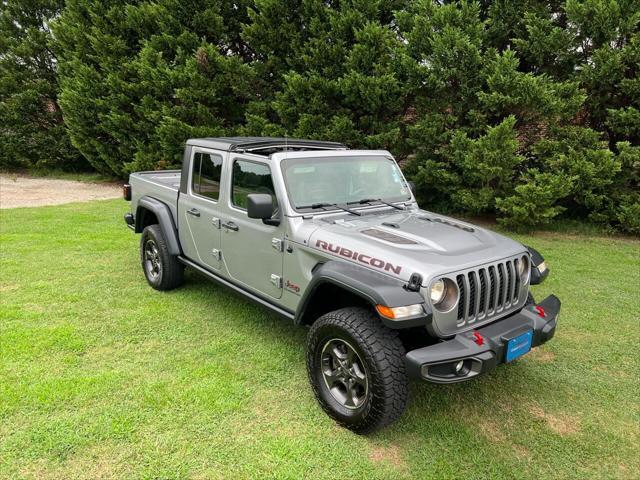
x: 164, y: 178
x: 162, y: 185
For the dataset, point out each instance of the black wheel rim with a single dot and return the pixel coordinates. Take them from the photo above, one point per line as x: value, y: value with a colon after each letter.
x: 344, y: 373
x: 152, y: 263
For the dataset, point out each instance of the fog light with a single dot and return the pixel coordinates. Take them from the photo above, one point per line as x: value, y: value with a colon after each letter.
x: 459, y: 366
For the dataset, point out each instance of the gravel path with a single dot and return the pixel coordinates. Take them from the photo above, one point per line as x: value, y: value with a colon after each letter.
x: 21, y: 191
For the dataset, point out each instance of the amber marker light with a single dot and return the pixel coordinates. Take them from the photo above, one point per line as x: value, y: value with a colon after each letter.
x: 398, y: 313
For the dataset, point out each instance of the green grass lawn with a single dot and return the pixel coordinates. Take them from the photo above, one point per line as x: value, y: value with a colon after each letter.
x: 103, y: 377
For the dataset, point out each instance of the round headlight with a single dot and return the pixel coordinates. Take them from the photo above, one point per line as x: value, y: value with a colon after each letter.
x: 523, y: 268
x: 438, y: 291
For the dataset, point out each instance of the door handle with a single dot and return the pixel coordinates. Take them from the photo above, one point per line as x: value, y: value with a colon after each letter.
x: 231, y: 226
x: 194, y: 211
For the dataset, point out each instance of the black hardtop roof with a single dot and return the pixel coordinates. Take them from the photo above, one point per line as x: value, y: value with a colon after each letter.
x: 258, y: 143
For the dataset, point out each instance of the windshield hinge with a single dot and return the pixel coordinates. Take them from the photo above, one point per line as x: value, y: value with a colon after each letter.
x: 278, y: 244
x: 276, y: 280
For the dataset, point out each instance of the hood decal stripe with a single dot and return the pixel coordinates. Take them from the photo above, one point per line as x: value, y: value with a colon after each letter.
x: 359, y: 257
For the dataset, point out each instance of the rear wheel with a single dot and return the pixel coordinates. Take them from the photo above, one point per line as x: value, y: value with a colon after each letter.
x: 162, y: 270
x: 356, y: 369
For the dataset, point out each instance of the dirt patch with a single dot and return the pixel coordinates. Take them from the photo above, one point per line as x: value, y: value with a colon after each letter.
x: 564, y: 425
x: 9, y: 287
x: 389, y: 454
x: 521, y: 452
x: 496, y: 434
x: 21, y: 191
x: 491, y: 431
x: 542, y: 356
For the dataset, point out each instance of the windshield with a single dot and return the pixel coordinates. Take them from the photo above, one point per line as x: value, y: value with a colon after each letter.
x: 343, y: 180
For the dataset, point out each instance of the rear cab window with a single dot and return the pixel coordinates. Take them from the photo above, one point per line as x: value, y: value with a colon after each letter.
x: 250, y: 177
x: 206, y: 174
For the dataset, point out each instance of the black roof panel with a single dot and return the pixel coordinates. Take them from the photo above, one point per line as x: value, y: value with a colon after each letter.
x: 257, y: 143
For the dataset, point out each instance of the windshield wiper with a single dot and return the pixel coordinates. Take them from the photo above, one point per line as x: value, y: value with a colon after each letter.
x: 371, y: 200
x: 315, y: 206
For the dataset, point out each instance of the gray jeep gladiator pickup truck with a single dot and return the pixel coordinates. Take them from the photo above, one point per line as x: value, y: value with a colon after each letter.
x: 332, y: 238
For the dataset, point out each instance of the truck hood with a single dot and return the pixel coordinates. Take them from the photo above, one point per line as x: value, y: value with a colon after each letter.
x: 401, y: 243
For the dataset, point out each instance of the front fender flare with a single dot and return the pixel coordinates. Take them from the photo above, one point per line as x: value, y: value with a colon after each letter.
x: 538, y: 275
x: 165, y: 220
x: 375, y: 288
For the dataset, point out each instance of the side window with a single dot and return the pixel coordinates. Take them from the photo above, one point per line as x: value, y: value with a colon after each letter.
x: 250, y: 177
x: 205, y: 180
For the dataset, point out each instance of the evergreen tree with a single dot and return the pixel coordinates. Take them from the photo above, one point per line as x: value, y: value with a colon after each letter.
x: 340, y: 77
x: 525, y: 109
x: 138, y: 79
x: 32, y: 132
x: 562, y: 76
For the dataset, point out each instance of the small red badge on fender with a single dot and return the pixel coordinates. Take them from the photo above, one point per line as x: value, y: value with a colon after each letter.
x: 292, y: 287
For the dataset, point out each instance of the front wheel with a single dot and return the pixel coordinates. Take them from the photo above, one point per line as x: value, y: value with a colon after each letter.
x: 356, y: 369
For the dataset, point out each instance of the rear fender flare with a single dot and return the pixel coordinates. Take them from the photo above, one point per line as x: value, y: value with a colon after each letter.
x: 165, y: 220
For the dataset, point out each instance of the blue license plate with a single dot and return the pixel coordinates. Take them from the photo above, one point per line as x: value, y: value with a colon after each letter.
x: 518, y: 346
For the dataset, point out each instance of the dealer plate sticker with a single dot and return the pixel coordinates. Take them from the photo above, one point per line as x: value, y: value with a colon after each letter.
x: 516, y: 347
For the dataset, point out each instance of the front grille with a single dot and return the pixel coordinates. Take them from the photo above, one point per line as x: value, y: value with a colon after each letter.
x: 487, y: 291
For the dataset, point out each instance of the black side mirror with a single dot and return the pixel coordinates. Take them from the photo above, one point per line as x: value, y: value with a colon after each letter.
x: 260, y: 205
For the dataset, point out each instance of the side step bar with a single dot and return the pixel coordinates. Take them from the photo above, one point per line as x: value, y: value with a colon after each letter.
x: 233, y: 286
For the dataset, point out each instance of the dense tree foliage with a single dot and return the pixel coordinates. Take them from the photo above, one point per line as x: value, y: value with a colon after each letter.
x: 138, y: 78
x: 525, y: 109
x: 32, y: 132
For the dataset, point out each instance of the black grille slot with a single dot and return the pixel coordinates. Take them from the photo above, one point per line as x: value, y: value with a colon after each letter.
x: 483, y: 291
x: 501, y: 280
x: 472, y: 294
x: 492, y: 293
x: 508, y: 268
x: 462, y: 296
x: 516, y: 290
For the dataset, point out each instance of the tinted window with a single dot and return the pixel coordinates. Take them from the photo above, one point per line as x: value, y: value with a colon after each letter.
x: 249, y: 177
x: 207, y: 169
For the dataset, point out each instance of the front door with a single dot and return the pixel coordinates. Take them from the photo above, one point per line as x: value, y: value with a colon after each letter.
x: 252, y: 251
x: 200, y: 209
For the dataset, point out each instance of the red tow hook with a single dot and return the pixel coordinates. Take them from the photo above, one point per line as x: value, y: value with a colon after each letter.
x: 540, y: 310
x: 479, y: 339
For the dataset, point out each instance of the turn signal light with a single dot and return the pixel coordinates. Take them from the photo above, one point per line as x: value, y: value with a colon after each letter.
x: 397, y: 313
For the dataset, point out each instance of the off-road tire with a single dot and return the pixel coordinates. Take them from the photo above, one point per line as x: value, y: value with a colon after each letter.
x: 171, y: 272
x: 382, y: 353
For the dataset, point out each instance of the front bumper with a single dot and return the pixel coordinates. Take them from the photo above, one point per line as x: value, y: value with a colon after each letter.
x: 483, y: 349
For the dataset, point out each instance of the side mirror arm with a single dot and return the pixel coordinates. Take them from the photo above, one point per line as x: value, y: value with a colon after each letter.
x: 274, y: 222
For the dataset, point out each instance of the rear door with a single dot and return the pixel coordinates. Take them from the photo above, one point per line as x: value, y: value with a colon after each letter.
x: 252, y: 250
x: 199, y: 209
